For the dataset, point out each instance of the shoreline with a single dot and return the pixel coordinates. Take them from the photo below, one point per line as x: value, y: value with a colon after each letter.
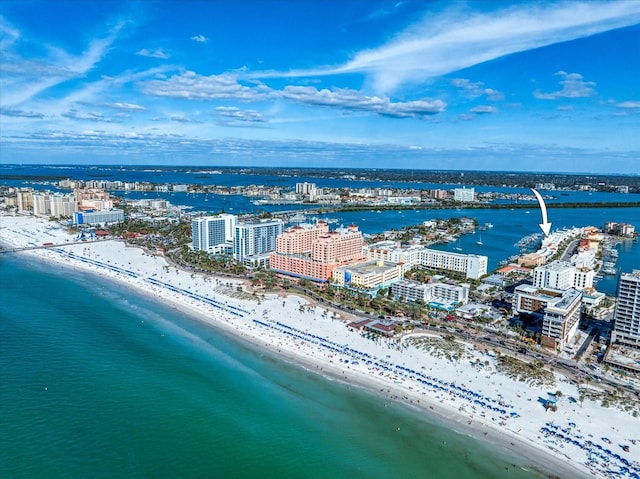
x: 239, y: 316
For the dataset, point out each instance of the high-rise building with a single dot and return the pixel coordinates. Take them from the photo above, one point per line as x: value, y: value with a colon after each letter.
x: 213, y: 233
x: 253, y: 242
x: 41, y: 204
x: 299, y: 239
x: 626, y: 322
x: 558, y: 309
x: 63, y: 206
x: 314, y: 252
x: 464, y: 194
x: 24, y: 199
x: 55, y: 205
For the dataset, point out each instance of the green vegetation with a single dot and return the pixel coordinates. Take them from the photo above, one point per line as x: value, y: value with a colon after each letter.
x: 532, y: 373
x: 445, y: 348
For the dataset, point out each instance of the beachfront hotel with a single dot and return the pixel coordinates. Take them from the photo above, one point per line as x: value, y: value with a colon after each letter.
x: 254, y: 242
x: 102, y: 217
x: 436, y: 295
x: 313, y: 252
x: 213, y: 234
x: 54, y: 205
x: 370, y: 276
x: 558, y: 309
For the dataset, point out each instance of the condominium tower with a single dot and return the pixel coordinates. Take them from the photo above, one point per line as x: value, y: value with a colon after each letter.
x: 626, y: 326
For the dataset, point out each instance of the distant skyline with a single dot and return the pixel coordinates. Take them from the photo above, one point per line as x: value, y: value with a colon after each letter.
x: 502, y: 86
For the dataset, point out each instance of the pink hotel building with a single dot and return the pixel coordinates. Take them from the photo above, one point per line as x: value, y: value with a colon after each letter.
x: 313, y: 252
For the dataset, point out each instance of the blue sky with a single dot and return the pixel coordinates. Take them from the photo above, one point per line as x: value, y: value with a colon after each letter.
x: 519, y: 86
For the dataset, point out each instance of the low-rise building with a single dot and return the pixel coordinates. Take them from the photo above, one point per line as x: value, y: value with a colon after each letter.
x: 368, y: 276
x: 98, y: 217
x: 436, y: 295
x: 473, y: 266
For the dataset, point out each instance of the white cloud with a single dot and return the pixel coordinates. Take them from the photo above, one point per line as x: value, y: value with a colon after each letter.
x: 124, y: 106
x: 476, y: 89
x: 87, y: 116
x: 456, y: 39
x: 573, y: 86
x: 157, y: 53
x: 24, y: 79
x: 20, y: 113
x: 191, y: 86
x: 484, y: 109
x: 493, y: 95
x: 355, y: 100
x: 199, y: 38
x: 8, y: 34
x: 234, y: 113
x: 629, y: 104
x: 183, y: 119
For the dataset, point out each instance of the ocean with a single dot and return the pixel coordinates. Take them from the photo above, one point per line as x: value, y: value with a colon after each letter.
x: 98, y: 381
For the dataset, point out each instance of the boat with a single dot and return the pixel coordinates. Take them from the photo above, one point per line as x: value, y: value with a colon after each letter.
x: 488, y: 225
x: 479, y: 242
x: 458, y: 247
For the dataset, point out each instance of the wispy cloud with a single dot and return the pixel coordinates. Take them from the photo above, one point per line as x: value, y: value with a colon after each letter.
x: 354, y: 100
x: 476, y: 89
x: 629, y: 104
x: 199, y: 38
x: 191, y: 86
x: 19, y: 113
x: 484, y: 109
x: 24, y: 79
x: 183, y: 119
x: 573, y: 86
x: 87, y: 116
x: 236, y: 114
x: 124, y: 106
x: 70, y: 147
x: 157, y: 53
x: 455, y: 39
x: 8, y: 34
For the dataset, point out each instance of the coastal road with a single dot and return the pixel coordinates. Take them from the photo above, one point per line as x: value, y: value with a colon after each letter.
x: 568, y: 252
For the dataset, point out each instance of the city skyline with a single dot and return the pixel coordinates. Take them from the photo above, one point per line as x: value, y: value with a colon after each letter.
x: 519, y: 86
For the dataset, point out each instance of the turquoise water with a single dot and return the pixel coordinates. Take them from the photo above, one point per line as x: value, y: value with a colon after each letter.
x: 97, y: 381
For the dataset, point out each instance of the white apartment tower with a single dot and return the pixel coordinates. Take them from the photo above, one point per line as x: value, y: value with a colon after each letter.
x: 626, y: 325
x: 213, y: 233
x: 253, y: 242
x: 562, y: 275
x: 464, y: 194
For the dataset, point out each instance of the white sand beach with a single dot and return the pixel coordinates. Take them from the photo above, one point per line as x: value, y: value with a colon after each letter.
x: 578, y: 440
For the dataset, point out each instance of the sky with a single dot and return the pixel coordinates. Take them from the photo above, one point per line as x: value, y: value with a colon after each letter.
x: 514, y: 86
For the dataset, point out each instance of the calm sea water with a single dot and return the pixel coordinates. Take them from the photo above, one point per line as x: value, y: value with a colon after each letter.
x: 97, y: 381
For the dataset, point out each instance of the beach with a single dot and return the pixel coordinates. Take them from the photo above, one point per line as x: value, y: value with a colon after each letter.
x: 579, y: 440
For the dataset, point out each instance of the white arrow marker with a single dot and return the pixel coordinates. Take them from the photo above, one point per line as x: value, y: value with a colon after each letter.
x: 544, y: 226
